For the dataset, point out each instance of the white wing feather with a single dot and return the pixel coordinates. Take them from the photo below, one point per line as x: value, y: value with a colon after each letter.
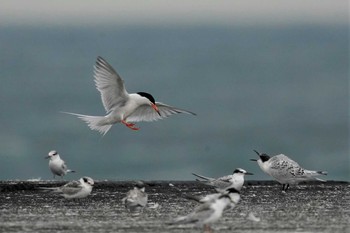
x: 110, y: 85
x: 147, y: 113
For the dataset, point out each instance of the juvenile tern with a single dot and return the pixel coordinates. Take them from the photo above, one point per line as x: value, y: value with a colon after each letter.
x: 236, y: 180
x: 284, y: 170
x: 136, y: 199
x: 120, y: 106
x: 210, y: 197
x: 211, y: 211
x: 75, y: 189
x: 57, y: 166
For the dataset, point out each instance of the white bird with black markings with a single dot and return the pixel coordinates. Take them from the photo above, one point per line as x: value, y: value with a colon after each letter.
x: 285, y: 171
x: 236, y: 180
x: 57, y: 166
x: 120, y: 106
x: 75, y: 189
x: 211, y: 211
x: 210, y: 197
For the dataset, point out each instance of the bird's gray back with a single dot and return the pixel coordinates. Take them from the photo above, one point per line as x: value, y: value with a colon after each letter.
x: 71, y: 188
x: 283, y: 168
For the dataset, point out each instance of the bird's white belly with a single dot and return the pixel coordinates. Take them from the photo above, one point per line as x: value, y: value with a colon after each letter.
x: 81, y: 194
x: 56, y: 168
x: 120, y: 114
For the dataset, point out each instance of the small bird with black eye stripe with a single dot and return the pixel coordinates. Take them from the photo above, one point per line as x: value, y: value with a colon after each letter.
x: 210, y: 211
x: 120, y: 106
x: 57, y: 166
x: 75, y: 189
x: 285, y: 170
x: 236, y: 180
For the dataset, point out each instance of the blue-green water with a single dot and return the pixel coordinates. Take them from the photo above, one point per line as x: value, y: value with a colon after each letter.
x: 276, y: 90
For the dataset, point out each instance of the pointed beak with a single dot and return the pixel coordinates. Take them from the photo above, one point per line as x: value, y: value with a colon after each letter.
x: 256, y: 152
x: 155, y: 108
x: 47, y: 157
x: 249, y: 173
x: 253, y: 160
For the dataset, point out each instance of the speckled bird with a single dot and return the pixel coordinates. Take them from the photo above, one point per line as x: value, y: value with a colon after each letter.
x: 285, y: 170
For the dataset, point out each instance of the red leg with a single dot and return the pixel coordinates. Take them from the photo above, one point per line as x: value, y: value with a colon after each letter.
x: 130, y: 125
x: 207, y: 228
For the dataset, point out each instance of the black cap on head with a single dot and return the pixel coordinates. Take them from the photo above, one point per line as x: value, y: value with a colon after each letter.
x: 238, y: 171
x: 148, y: 96
x: 264, y: 157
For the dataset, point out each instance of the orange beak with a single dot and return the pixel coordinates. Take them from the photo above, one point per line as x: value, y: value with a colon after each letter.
x: 155, y: 108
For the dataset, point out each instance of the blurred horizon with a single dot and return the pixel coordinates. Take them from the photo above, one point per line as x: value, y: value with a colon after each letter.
x: 172, y: 13
x: 256, y: 84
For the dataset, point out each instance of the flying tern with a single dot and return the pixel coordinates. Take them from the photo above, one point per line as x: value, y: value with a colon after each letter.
x: 120, y: 106
x: 284, y: 170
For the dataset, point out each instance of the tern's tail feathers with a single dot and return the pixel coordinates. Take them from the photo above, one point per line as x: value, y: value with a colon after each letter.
x: 97, y: 123
x: 55, y: 190
x: 312, y: 174
x: 318, y: 179
x: 322, y: 172
x: 180, y: 220
x: 315, y: 173
x: 202, y: 177
x: 194, y: 198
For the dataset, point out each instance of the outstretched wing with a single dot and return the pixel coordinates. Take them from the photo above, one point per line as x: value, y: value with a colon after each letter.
x: 110, y: 85
x: 147, y: 113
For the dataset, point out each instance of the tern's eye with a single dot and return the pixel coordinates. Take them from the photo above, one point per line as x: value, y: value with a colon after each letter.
x: 53, y: 153
x: 85, y: 179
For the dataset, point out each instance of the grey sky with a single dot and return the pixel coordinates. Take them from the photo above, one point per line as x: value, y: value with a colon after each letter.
x: 31, y: 12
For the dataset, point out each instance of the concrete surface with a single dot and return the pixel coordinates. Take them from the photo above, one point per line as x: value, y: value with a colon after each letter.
x: 311, y: 207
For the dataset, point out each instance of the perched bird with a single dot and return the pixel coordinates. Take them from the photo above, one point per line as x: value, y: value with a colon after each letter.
x: 136, y: 199
x: 120, y: 106
x: 57, y: 166
x: 235, y: 180
x: 75, y: 189
x: 211, y: 211
x: 284, y: 170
